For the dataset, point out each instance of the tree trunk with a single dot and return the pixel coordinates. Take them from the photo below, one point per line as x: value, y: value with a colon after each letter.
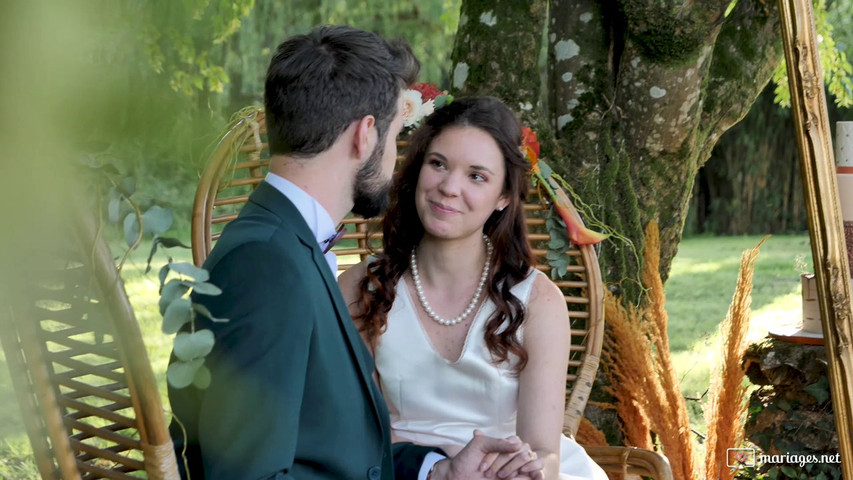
x: 497, y: 52
x: 637, y: 94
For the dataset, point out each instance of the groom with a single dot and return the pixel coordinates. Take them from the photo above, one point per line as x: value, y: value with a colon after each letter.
x: 292, y: 394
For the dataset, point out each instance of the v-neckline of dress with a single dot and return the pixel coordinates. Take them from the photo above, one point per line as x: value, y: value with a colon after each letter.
x: 425, y: 336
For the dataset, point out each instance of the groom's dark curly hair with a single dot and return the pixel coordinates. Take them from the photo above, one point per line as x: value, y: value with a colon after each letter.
x: 512, y: 258
x: 319, y: 83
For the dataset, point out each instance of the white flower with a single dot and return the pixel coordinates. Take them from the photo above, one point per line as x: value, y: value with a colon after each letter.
x: 427, y: 108
x: 412, y: 107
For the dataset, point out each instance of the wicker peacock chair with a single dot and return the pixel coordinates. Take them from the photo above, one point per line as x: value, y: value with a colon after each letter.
x: 89, y: 399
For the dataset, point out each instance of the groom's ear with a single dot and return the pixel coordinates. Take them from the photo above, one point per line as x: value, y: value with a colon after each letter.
x: 365, y: 137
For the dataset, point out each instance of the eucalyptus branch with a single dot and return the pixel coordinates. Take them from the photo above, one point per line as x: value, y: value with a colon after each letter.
x: 139, y: 220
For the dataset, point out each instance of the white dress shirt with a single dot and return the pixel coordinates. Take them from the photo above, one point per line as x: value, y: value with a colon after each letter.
x: 317, y: 218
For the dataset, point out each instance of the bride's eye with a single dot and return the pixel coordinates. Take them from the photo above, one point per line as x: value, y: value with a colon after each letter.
x: 436, y: 163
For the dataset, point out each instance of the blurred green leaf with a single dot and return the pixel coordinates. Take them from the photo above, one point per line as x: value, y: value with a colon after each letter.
x: 171, y: 290
x: 201, y: 380
x: 157, y: 220
x: 178, y: 313
x: 164, y: 272
x: 127, y: 187
x: 205, y: 288
x: 114, y: 207
x: 131, y: 229
x: 204, y: 311
x: 190, y: 270
x: 189, y: 346
x: 181, y: 374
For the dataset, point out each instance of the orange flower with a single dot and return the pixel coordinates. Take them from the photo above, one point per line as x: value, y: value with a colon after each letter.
x: 530, y: 147
x: 578, y: 233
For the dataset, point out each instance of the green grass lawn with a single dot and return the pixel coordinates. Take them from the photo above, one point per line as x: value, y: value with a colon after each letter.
x: 698, y: 292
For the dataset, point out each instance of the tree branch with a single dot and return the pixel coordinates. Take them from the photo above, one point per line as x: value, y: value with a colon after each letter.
x: 745, y: 56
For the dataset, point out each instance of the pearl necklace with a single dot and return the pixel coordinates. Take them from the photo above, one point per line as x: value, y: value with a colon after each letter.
x: 470, y: 308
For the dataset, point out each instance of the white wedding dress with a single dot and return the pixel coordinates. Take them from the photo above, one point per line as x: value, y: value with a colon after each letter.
x: 433, y: 401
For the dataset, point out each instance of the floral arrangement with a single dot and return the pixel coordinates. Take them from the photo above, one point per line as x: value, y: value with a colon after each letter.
x: 420, y: 101
x: 578, y: 233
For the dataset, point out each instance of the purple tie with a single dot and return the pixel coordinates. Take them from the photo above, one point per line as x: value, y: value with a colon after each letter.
x: 331, y: 241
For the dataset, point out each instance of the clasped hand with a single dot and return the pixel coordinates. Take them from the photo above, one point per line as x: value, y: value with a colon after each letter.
x: 486, y: 457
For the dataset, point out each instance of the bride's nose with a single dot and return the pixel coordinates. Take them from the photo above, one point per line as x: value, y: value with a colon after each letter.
x: 450, y: 185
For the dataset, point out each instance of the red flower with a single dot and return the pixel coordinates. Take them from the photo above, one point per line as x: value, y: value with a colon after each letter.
x: 530, y: 146
x: 428, y: 91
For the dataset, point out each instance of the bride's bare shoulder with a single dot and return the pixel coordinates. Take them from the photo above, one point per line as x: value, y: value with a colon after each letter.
x: 349, y: 280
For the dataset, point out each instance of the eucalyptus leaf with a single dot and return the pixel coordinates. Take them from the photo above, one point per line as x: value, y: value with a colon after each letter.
x: 204, y: 311
x: 550, y: 223
x: 164, y: 272
x: 181, y: 374
x: 178, y: 313
x: 190, y: 270
x: 562, y: 270
x: 552, y: 255
x: 205, y: 288
x: 544, y: 169
x: 440, y: 101
x: 171, y: 290
x: 114, y: 208
x: 189, y: 346
x: 556, y: 243
x: 127, y: 187
x: 157, y: 220
x: 154, y: 245
x: 170, y: 242
x: 131, y: 229
x: 202, y: 378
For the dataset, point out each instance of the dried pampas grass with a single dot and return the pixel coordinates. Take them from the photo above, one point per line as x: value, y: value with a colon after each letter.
x: 627, y: 361
x: 670, y: 422
x: 644, y: 384
x: 726, y: 412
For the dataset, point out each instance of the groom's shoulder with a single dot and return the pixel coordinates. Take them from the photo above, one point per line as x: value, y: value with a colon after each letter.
x: 268, y: 232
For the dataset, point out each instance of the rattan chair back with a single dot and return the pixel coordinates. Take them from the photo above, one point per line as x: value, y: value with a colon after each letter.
x: 240, y: 162
x: 90, y: 401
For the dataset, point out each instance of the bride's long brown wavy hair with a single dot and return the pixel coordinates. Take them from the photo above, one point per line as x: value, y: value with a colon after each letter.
x: 402, y: 228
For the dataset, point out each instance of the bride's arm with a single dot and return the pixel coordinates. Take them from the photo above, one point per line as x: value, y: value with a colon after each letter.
x: 542, y: 383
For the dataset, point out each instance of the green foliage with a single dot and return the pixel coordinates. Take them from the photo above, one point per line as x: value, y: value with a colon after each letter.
x: 191, y: 346
x: 183, y: 39
x: 831, y: 21
x: 428, y: 26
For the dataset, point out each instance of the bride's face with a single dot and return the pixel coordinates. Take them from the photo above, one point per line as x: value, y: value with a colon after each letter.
x: 461, y: 183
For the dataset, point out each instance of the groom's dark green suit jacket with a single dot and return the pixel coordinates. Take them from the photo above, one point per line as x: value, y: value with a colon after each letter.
x: 291, y: 394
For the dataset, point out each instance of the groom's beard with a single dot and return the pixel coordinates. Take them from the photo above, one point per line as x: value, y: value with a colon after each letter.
x: 370, y: 190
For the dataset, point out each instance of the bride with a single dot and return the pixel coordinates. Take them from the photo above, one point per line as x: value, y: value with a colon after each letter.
x: 465, y: 333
